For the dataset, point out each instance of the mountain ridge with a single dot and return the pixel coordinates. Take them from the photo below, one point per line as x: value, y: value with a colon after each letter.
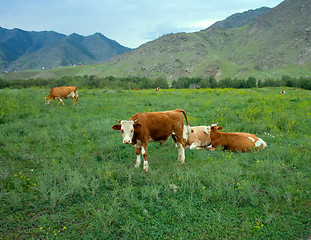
x: 241, y: 19
x: 24, y: 50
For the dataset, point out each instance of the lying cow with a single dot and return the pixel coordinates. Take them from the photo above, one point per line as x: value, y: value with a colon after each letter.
x: 142, y: 128
x: 58, y: 93
x: 234, y: 141
x: 198, y: 138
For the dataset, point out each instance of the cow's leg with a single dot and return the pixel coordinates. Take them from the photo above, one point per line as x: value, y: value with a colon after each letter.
x: 144, y: 153
x: 60, y: 100
x: 211, y: 148
x: 138, y: 151
x: 181, y: 144
x: 138, y: 146
x: 195, y: 146
x: 77, y: 97
x: 181, y: 152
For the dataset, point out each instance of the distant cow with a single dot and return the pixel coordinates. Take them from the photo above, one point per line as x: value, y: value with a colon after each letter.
x: 282, y: 92
x: 58, y: 93
x: 142, y: 128
x: 234, y: 141
x: 198, y: 138
x: 158, y: 88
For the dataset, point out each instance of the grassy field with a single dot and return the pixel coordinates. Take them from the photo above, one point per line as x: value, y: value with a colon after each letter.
x: 66, y: 174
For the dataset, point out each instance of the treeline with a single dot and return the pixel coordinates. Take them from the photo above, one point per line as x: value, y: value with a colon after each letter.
x: 251, y: 82
x: 89, y: 82
x: 146, y: 83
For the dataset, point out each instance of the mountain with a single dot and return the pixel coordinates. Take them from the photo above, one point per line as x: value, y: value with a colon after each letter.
x: 241, y: 19
x: 276, y: 43
x: 22, y: 50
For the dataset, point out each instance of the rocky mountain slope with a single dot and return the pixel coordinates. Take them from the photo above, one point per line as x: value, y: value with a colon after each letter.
x: 279, y: 41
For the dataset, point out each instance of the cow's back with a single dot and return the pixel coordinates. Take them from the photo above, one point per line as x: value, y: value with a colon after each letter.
x: 239, y: 141
x: 62, y: 91
x: 159, y: 126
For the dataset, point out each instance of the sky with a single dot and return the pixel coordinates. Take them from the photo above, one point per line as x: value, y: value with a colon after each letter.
x: 129, y: 22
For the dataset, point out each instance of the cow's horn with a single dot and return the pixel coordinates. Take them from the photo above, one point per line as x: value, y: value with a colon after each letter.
x: 118, y: 121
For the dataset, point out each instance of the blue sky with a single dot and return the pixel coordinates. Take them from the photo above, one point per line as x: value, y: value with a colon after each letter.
x: 129, y: 22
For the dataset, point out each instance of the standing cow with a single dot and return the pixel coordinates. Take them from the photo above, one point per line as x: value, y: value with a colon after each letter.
x: 58, y: 93
x: 142, y: 128
x: 234, y: 141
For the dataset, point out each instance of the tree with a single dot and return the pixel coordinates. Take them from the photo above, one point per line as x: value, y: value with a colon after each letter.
x: 213, y: 82
x: 260, y: 84
x: 250, y: 83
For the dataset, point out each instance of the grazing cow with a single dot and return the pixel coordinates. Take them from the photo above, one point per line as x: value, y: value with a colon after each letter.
x: 58, y: 93
x: 158, y: 88
x: 234, y: 141
x: 282, y: 92
x: 198, y: 138
x: 142, y: 128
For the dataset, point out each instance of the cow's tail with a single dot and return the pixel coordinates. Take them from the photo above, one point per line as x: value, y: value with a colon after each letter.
x: 188, y: 127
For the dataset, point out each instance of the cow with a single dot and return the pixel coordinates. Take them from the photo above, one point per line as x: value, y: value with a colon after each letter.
x: 142, y: 128
x: 158, y: 89
x: 58, y: 93
x: 234, y: 141
x: 198, y: 138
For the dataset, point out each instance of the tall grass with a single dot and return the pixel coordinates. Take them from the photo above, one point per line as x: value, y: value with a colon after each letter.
x: 66, y: 174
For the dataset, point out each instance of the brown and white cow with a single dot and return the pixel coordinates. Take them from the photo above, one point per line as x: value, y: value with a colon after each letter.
x: 198, y: 138
x: 58, y: 93
x: 142, y: 128
x: 234, y: 141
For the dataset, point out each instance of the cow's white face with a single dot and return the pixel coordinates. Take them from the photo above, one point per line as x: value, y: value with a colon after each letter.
x: 127, y: 130
x: 207, y: 130
x: 47, y: 101
x: 186, y: 132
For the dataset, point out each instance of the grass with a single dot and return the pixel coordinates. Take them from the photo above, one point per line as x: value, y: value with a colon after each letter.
x: 65, y: 172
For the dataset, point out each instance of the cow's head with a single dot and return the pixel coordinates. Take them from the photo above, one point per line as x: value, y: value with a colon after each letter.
x: 186, y: 132
x: 127, y: 129
x: 47, y: 101
x: 212, y: 128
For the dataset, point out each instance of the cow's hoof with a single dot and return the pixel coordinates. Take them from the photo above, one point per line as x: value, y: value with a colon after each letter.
x: 146, y: 170
x: 136, y: 166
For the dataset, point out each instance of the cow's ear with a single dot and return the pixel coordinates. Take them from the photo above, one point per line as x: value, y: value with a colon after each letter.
x: 219, y: 128
x: 192, y: 131
x: 116, y: 127
x: 206, y: 130
x: 137, y: 125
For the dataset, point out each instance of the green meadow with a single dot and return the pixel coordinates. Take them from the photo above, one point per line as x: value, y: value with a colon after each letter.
x: 66, y: 174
